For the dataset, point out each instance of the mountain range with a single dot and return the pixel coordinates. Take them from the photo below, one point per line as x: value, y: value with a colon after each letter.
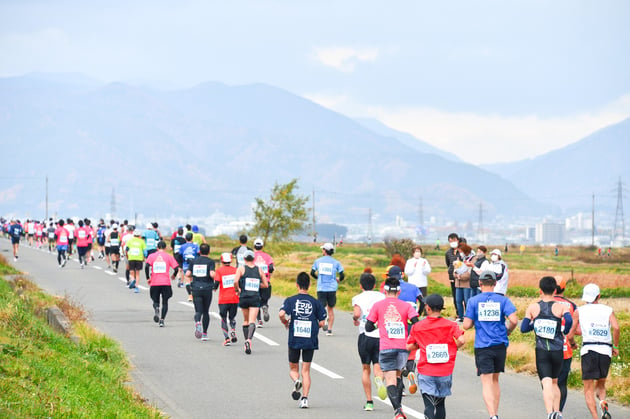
x: 213, y: 148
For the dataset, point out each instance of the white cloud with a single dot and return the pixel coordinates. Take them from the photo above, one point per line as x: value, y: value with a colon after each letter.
x: 480, y: 139
x: 344, y: 59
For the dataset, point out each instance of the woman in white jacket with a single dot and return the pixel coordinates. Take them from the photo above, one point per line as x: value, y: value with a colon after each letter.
x: 417, y: 268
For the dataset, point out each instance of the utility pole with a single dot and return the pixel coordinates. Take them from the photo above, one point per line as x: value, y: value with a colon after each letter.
x: 369, y: 237
x: 480, y: 227
x: 420, y: 218
x: 112, y: 205
x: 619, y: 229
x: 593, y: 222
x: 313, y: 218
x: 46, y: 198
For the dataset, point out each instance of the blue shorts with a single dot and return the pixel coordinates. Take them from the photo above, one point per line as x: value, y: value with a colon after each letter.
x: 62, y: 247
x: 392, y: 359
x: 435, y: 386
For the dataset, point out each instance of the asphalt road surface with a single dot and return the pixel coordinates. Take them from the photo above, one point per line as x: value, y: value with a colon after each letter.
x: 187, y: 378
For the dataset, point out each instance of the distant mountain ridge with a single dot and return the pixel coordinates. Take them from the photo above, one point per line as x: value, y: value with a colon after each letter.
x: 215, y: 147
x: 568, y: 178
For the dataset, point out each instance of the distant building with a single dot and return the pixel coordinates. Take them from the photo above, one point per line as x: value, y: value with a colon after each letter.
x: 549, y: 233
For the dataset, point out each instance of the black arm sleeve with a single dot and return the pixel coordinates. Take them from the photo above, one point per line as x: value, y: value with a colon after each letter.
x: 370, y: 326
x: 341, y: 276
x: 271, y: 268
x: 313, y: 274
x: 176, y: 271
x: 413, y: 320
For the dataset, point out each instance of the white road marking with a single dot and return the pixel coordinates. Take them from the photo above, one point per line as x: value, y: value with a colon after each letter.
x: 110, y: 273
x: 97, y: 267
x: 326, y: 371
x: 407, y: 410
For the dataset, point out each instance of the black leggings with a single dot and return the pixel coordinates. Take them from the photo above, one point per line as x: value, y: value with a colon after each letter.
x: 202, y: 300
x: 161, y: 290
x: 61, y: 255
x: 225, y: 311
x: 265, y: 295
x: 434, y: 407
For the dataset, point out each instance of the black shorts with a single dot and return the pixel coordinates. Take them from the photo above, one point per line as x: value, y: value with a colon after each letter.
x: 595, y: 365
x: 249, y: 301
x: 265, y: 295
x: 15, y: 240
x: 107, y: 250
x: 549, y: 363
x: 101, y: 241
x: 89, y: 246
x: 114, y: 250
x: 490, y: 360
x: 327, y: 298
x: 135, y: 265
x: 368, y: 349
x: 179, y: 258
x: 294, y: 355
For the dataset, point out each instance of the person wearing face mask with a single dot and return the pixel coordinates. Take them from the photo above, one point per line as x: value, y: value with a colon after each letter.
x: 417, y: 268
x: 478, y: 265
x: 450, y: 257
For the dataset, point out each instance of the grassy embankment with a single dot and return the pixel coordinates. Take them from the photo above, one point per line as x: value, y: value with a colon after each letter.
x: 45, y: 374
x: 579, y: 265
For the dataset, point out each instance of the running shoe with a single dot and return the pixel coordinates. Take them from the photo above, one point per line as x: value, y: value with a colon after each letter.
x: 260, y: 323
x: 115, y: 270
x: 325, y: 328
x: 198, y: 330
x: 329, y: 332
x: 265, y: 310
x: 369, y: 406
x: 63, y: 263
x: 132, y: 284
x: 297, y: 386
x: 82, y: 265
x: 233, y: 336
x: 190, y: 297
x: 380, y: 388
x: 413, y: 386
x: 136, y: 290
x: 303, y: 403
x: 227, y: 342
x: 248, y: 347
x: 604, y: 405
x: 398, y: 414
x: 180, y: 284
x: 156, y: 314
x: 204, y: 336
x: 161, y: 322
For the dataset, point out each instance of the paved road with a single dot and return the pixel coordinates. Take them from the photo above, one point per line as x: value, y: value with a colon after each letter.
x: 187, y: 378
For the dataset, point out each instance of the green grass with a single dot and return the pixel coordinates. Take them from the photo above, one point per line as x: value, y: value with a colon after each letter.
x: 44, y: 374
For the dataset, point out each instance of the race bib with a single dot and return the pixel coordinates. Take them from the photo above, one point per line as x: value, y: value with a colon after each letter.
x: 114, y: 242
x: 264, y: 268
x: 302, y: 329
x: 176, y: 248
x: 134, y: 251
x: 325, y: 269
x: 395, y: 330
x: 200, y: 270
x: 489, y: 312
x: 82, y: 234
x: 159, y: 267
x: 252, y: 284
x: 240, y: 259
x: 545, y: 328
x: 63, y: 239
x: 437, y: 353
x: 228, y: 281
x: 51, y: 235
x: 150, y: 242
x: 598, y: 330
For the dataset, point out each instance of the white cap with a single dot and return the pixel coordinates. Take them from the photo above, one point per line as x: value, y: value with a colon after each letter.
x: 226, y: 257
x: 590, y: 293
x: 327, y: 246
x: 115, y: 227
x: 259, y: 242
x: 137, y: 232
x: 149, y: 226
x: 496, y: 252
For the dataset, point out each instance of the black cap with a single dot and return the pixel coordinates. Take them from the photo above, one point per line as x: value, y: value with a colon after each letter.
x: 435, y: 301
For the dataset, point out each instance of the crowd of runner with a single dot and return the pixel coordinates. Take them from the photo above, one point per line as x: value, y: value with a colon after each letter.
x: 402, y: 333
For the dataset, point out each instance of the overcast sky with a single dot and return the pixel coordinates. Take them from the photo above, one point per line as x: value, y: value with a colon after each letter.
x: 490, y: 81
